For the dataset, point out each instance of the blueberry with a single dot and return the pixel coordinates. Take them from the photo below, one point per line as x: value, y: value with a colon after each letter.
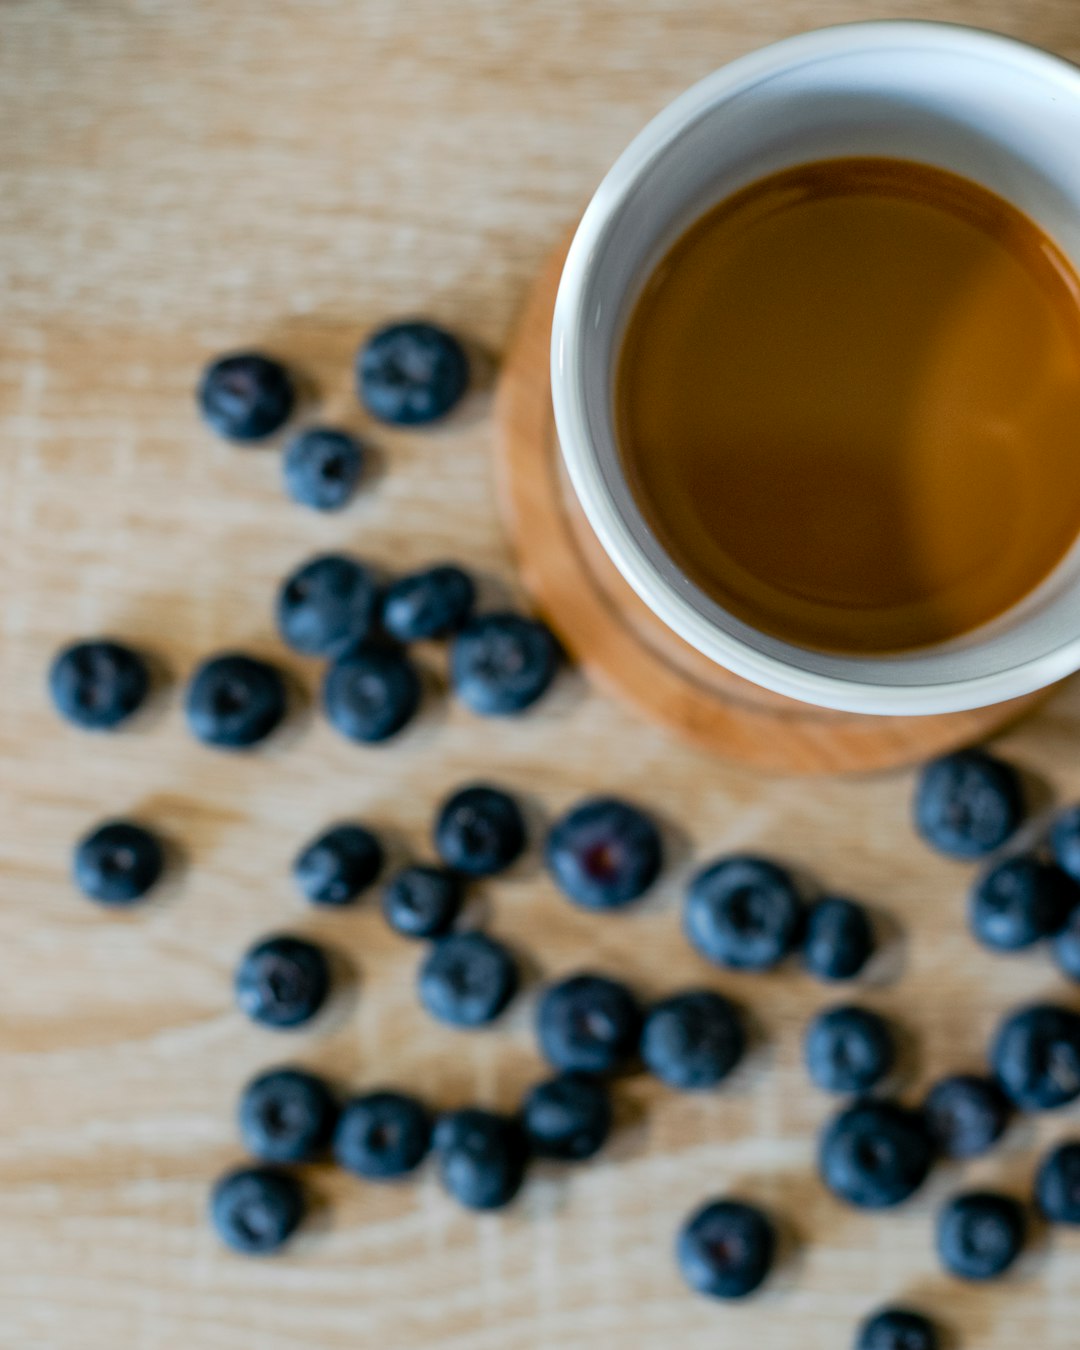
x: 980, y: 1234
x: 1066, y: 946
x: 322, y: 467
x: 848, y: 1049
x: 97, y: 684
x: 1065, y: 842
x: 874, y: 1154
x: 256, y: 1209
x: 968, y: 804
x: 726, y: 1249
x: 966, y: 1115
x: 604, y: 853
x: 500, y: 664
x: 693, y: 1040
x: 839, y: 939
x: 117, y: 862
x: 588, y: 1024
x: 1057, y: 1184
x: 328, y: 605
x: 1018, y: 902
x: 481, y: 1157
x: 430, y: 604
x: 897, y: 1329
x: 382, y: 1135
x: 282, y: 981
x: 467, y: 979
x: 744, y: 912
x: 1036, y: 1056
x: 234, y: 701
x: 411, y: 373
x: 422, y: 902
x: 479, y: 831
x: 338, y: 865
x: 567, y: 1117
x: 287, y: 1115
x: 371, y: 695
x: 246, y: 396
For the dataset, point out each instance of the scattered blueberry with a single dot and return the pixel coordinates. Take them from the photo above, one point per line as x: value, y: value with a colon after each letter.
x: 479, y: 831
x: 97, y: 684
x: 256, y: 1209
x: 726, y: 1249
x: 744, y: 912
x: 287, y: 1115
x: 604, y: 853
x: 980, y: 1234
x: 481, y: 1157
x: 1057, y: 1184
x: 282, y: 981
x: 430, y: 604
x: 500, y: 664
x: 1036, y: 1056
x: 567, y: 1117
x: 968, y: 804
x: 1065, y: 842
x: 1020, y: 901
x: 875, y: 1154
x: 371, y: 694
x: 1066, y: 946
x: 897, y: 1329
x: 382, y: 1135
x: 411, y: 373
x: 328, y: 605
x: 693, y: 1040
x: 848, y: 1049
x: 467, y: 979
x: 588, y: 1024
x: 839, y: 939
x: 338, y: 865
x: 422, y: 902
x: 234, y: 701
x: 117, y: 862
x: 966, y: 1115
x: 322, y: 467
x: 246, y: 396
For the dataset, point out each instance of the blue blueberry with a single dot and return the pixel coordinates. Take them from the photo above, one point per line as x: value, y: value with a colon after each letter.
x: 234, y: 701
x: 1066, y: 946
x: 966, y: 1115
x: 467, y: 979
x: 255, y: 1210
x: 287, y: 1115
x: 382, y: 1135
x: 282, y: 981
x: 968, y: 804
x: 1036, y: 1057
x: 371, y: 694
x: 500, y: 664
x: 411, y: 373
x: 604, y: 853
x: 430, y: 604
x: 481, y: 1157
x: 744, y: 912
x: 839, y: 939
x: 117, y: 863
x: 1019, y: 902
x: 848, y: 1050
x: 588, y: 1024
x: 98, y: 683
x: 875, y: 1154
x: 338, y: 865
x: 322, y: 467
x: 479, y: 831
x: 980, y: 1234
x: 246, y: 396
x: 328, y: 605
x: 1057, y: 1184
x: 897, y: 1329
x: 423, y: 902
x: 1065, y: 842
x: 693, y: 1040
x: 567, y: 1117
x: 726, y: 1249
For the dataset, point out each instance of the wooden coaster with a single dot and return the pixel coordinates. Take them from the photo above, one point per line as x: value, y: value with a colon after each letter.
x: 627, y: 650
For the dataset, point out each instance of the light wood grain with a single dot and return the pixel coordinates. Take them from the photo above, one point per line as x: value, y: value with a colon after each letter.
x: 180, y: 178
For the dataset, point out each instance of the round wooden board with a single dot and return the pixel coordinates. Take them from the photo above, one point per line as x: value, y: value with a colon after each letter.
x: 621, y: 644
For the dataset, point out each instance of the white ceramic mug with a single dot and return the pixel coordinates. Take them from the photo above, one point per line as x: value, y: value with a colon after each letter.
x: 996, y: 111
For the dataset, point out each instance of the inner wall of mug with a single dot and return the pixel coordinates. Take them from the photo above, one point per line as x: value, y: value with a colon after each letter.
x: 976, y: 113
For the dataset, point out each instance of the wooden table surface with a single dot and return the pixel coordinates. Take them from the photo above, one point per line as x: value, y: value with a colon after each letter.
x: 176, y: 179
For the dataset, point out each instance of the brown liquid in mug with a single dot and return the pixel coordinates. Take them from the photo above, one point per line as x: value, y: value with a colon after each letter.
x: 848, y: 405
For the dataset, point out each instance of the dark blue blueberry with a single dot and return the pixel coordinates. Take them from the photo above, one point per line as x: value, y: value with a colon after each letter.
x: 1036, y: 1057
x: 839, y: 939
x: 500, y: 664
x: 744, y: 912
x: 567, y: 1117
x: 371, y: 695
x: 481, y: 1157
x: 117, y: 863
x: 328, y: 605
x: 1065, y: 842
x: 726, y: 1249
x: 479, y: 831
x: 282, y: 981
x: 246, y: 396
x: 322, y: 467
x: 255, y: 1210
x: 875, y: 1154
x: 467, y: 979
x: 411, y: 373
x: 604, y: 853
x: 588, y: 1024
x: 338, y: 865
x: 897, y: 1329
x: 980, y: 1234
x: 287, y: 1115
x: 1057, y: 1184
x: 1066, y: 946
x: 848, y: 1050
x: 423, y: 902
x: 968, y: 804
x: 382, y: 1135
x: 693, y: 1040
x: 234, y: 701
x: 97, y: 684
x: 1018, y: 902
x: 430, y: 604
x: 966, y: 1115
